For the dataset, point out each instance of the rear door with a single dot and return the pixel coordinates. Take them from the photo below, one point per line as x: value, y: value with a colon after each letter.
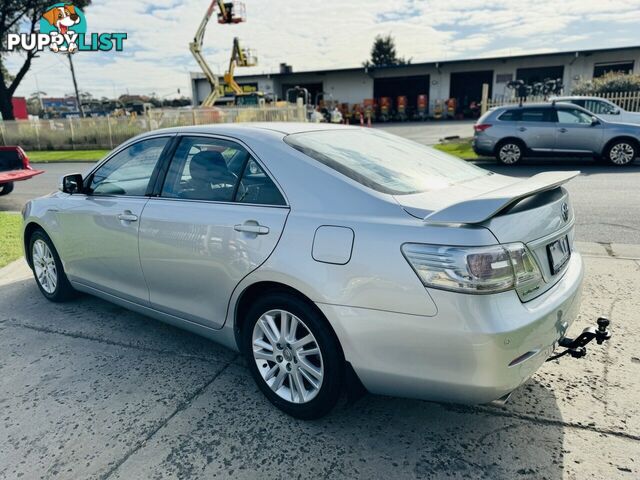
x: 576, y: 132
x: 537, y: 128
x: 218, y: 217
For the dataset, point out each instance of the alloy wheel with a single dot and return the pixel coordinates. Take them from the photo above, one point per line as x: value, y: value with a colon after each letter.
x: 44, y: 265
x: 621, y: 153
x: 510, y: 153
x: 288, y: 356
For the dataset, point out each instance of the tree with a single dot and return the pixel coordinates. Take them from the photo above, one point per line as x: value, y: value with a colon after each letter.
x: 612, y: 82
x: 14, y: 16
x: 383, y: 53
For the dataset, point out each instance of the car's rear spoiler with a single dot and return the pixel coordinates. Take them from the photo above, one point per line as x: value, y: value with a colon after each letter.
x: 487, y: 205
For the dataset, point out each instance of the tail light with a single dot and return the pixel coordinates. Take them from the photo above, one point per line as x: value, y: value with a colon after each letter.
x: 489, y: 269
x: 23, y: 156
x: 481, y: 127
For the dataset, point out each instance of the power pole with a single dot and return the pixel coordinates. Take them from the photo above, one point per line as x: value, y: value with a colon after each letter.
x: 75, y: 86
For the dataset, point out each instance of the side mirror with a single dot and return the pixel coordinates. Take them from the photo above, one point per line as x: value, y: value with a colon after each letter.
x: 71, y: 183
x: 595, y: 121
x: 616, y: 111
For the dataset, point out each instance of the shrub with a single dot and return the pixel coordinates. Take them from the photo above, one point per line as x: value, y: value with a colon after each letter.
x: 609, y: 83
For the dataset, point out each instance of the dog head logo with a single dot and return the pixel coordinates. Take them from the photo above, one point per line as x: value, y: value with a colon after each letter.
x: 65, y: 20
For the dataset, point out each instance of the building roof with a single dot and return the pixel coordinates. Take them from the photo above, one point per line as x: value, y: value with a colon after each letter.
x: 438, y: 63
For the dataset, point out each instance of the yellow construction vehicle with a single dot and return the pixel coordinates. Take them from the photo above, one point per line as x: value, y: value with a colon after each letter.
x: 228, y: 13
x: 241, y: 57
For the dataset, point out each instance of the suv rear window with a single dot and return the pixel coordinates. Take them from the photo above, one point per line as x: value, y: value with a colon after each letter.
x: 510, y: 116
x: 386, y: 163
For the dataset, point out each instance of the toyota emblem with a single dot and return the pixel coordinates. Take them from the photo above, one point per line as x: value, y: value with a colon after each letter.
x: 565, y: 211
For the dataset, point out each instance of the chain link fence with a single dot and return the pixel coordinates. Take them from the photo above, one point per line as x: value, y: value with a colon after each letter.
x: 108, y: 132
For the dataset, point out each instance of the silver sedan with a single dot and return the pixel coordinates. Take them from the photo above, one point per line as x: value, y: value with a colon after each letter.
x: 329, y: 256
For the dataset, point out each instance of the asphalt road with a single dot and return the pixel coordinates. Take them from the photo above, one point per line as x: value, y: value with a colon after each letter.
x: 90, y: 390
x: 606, y: 199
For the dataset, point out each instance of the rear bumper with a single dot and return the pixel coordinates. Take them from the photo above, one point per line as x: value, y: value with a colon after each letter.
x: 463, y: 353
x: 482, y: 145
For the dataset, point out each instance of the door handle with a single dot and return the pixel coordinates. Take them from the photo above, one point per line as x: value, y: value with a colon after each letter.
x: 522, y: 129
x: 251, y: 228
x: 562, y: 130
x: 127, y: 216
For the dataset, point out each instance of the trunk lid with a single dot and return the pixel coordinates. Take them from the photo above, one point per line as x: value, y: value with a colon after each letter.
x: 535, y: 211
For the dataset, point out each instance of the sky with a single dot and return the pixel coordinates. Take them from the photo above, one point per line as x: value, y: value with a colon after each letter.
x: 319, y: 34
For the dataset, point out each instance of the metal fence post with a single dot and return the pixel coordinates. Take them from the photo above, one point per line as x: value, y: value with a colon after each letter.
x: 4, y: 142
x: 110, y: 132
x: 70, y: 120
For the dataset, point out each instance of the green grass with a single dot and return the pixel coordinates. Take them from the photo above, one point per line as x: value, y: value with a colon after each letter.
x: 459, y: 148
x: 66, y: 156
x: 10, y: 238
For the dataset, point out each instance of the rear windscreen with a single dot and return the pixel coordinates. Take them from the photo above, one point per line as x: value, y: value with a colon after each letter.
x: 10, y: 160
x: 384, y: 162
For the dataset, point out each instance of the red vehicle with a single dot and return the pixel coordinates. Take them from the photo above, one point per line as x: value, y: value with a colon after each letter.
x: 14, y: 167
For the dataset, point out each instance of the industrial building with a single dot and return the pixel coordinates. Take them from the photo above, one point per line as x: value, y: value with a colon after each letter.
x: 459, y: 79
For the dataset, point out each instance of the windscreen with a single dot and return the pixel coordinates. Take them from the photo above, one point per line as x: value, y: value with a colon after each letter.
x: 384, y: 162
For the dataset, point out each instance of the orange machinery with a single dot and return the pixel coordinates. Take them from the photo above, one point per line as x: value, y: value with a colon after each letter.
x: 422, y: 107
x: 385, y: 109
x: 401, y: 109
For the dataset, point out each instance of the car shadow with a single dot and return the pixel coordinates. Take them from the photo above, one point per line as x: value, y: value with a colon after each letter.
x: 373, y: 436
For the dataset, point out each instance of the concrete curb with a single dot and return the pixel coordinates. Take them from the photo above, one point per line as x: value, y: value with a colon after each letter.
x: 16, y: 271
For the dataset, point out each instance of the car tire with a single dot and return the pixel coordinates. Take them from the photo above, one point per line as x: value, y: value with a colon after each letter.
x: 48, y: 270
x: 299, y: 382
x: 621, y: 152
x: 6, y: 188
x: 509, y: 152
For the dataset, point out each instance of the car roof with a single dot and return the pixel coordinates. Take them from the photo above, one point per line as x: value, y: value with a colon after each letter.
x: 550, y: 104
x: 241, y: 129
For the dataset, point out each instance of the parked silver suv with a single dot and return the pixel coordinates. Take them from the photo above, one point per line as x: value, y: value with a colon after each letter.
x: 559, y: 129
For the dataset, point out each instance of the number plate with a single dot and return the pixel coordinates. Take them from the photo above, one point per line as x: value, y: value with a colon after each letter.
x: 559, y: 253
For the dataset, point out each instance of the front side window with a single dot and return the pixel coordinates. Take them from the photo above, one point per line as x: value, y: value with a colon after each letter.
x: 216, y: 170
x: 574, y: 116
x: 383, y: 162
x: 129, y: 171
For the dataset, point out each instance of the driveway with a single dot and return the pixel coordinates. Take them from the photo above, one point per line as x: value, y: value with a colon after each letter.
x: 89, y: 390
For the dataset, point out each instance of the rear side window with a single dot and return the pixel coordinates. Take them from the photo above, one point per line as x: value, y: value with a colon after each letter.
x: 510, y: 116
x: 536, y: 115
x: 217, y: 170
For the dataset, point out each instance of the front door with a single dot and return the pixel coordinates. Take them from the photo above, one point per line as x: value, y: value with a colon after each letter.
x: 218, y: 218
x: 577, y: 132
x: 101, y: 224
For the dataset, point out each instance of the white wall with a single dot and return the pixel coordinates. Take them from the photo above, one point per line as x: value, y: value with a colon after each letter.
x: 356, y: 85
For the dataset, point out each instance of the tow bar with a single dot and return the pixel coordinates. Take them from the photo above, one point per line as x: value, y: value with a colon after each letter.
x: 576, y: 347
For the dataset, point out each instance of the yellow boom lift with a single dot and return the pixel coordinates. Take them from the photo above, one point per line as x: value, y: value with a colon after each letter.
x: 228, y: 13
x: 241, y: 57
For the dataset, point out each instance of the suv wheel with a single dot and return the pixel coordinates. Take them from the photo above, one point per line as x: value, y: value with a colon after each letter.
x: 6, y: 188
x: 48, y: 270
x: 509, y: 152
x: 622, y: 152
x: 293, y: 355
